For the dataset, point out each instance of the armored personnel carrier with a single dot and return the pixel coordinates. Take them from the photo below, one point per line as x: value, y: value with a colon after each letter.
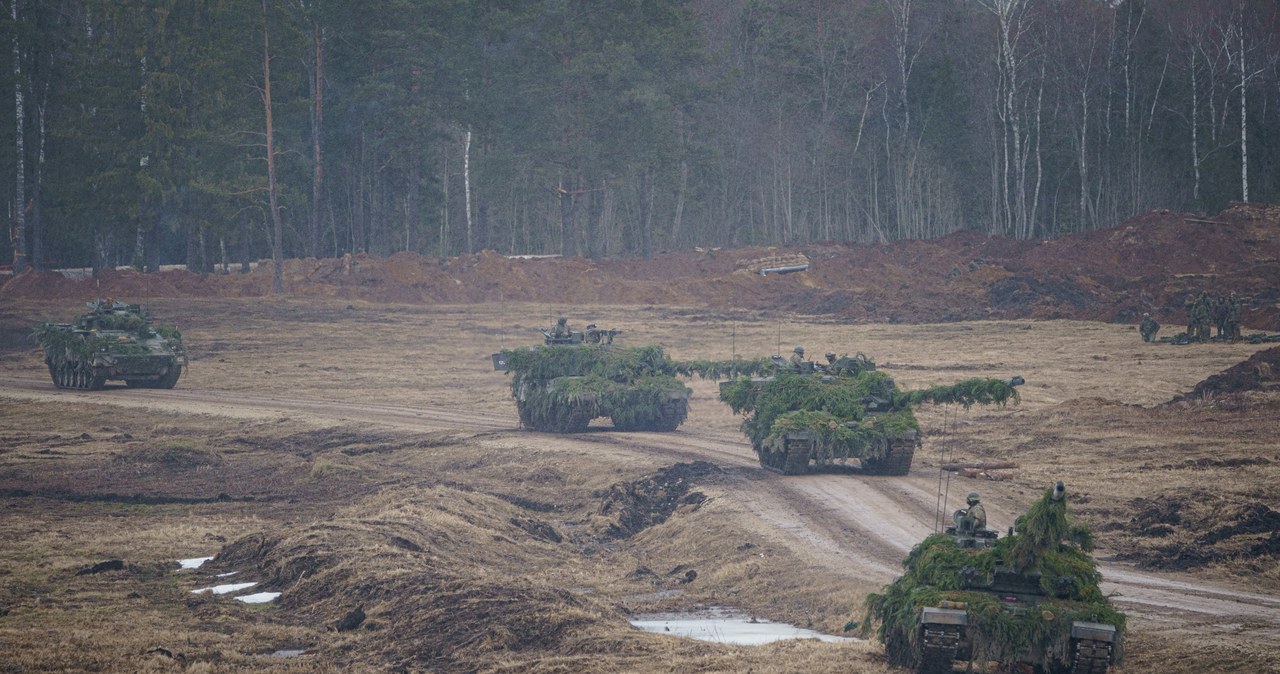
x: 112, y: 341
x: 575, y: 377
x: 1029, y: 601
x: 807, y: 417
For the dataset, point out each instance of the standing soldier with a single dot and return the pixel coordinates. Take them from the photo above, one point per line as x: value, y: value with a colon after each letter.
x: 1200, y: 313
x: 1148, y: 328
x: 1234, y: 307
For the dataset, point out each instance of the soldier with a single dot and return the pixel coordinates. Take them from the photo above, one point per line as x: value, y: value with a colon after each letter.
x: 831, y: 366
x: 561, y: 331
x: 593, y: 335
x: 973, y: 518
x: 797, y: 359
x: 1234, y: 307
x: 1148, y: 328
x: 1200, y: 312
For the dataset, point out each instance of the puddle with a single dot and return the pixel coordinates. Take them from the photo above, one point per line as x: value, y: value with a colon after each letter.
x: 193, y: 563
x: 224, y: 589
x: 727, y: 626
x: 259, y: 598
x: 288, y: 653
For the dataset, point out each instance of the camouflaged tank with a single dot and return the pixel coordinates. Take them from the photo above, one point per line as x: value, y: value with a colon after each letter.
x: 807, y: 417
x: 1029, y: 601
x: 112, y: 341
x: 575, y: 377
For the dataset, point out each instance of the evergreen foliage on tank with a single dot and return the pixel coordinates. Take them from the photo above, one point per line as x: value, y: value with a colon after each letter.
x: 562, y: 388
x: 1049, y: 552
x: 845, y: 410
x: 113, y: 340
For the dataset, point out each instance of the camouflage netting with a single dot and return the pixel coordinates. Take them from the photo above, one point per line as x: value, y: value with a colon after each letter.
x: 824, y: 406
x: 563, y: 387
x: 1047, y: 542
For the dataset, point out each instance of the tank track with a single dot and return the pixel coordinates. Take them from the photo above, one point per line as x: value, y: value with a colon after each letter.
x: 77, y: 376
x: 938, y: 647
x: 671, y: 415
x: 897, y: 460
x: 573, y: 420
x: 1090, y: 657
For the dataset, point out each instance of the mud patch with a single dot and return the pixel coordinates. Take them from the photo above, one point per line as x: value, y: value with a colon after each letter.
x: 1185, y: 532
x: 631, y: 507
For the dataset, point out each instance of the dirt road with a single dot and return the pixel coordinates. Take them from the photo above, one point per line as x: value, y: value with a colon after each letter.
x: 837, y: 522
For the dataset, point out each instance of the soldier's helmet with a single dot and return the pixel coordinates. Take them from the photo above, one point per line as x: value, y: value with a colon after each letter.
x: 591, y: 326
x: 973, y: 498
x: 561, y: 320
x: 799, y: 350
x: 1146, y: 314
x: 831, y: 356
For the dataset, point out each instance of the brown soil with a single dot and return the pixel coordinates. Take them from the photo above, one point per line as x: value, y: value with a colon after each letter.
x: 1151, y: 263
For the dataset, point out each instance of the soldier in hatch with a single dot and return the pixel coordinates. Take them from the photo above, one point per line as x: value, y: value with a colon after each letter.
x: 971, y: 519
x: 561, y: 331
x: 798, y: 363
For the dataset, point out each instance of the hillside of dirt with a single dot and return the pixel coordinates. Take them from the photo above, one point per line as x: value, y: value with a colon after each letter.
x: 1151, y: 263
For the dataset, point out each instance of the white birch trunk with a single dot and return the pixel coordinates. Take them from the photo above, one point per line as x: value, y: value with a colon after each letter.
x: 1244, y: 128
x: 466, y: 185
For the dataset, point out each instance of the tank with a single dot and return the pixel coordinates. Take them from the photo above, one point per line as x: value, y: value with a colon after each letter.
x: 807, y: 417
x: 575, y: 377
x: 112, y: 341
x: 1030, y: 601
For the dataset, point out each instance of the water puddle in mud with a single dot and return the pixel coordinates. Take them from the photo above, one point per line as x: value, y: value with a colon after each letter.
x: 229, y: 588
x: 224, y: 589
x: 727, y: 626
x: 258, y: 598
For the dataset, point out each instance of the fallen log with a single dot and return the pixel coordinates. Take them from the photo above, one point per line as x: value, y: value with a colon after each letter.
x: 990, y: 465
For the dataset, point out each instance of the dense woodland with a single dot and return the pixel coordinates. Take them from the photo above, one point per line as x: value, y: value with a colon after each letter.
x: 213, y: 132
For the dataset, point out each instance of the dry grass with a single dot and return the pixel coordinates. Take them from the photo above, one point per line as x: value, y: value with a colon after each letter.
x: 431, y: 532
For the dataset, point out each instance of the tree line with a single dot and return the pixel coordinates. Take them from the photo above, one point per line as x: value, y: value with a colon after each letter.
x: 213, y: 132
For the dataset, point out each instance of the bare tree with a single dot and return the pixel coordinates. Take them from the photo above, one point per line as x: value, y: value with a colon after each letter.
x: 277, y: 239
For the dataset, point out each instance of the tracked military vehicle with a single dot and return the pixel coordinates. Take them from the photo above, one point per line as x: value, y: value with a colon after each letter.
x: 575, y: 377
x: 1029, y: 601
x: 112, y: 341
x: 807, y: 417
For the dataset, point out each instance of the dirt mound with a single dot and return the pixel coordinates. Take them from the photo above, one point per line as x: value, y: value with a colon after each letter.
x: 631, y: 507
x: 1151, y: 263
x: 1186, y: 531
x: 1261, y: 372
x: 404, y: 561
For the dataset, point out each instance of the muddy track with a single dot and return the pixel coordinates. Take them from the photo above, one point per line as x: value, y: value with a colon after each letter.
x: 846, y: 522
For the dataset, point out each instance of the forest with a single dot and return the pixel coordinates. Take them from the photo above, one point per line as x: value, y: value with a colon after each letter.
x: 215, y: 132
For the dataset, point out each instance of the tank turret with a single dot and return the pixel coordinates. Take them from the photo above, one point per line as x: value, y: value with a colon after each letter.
x: 577, y: 376
x: 806, y: 416
x: 1030, y: 600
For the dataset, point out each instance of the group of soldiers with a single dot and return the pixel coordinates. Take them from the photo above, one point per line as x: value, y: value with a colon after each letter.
x: 843, y: 365
x: 1205, y: 310
x: 561, y: 333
